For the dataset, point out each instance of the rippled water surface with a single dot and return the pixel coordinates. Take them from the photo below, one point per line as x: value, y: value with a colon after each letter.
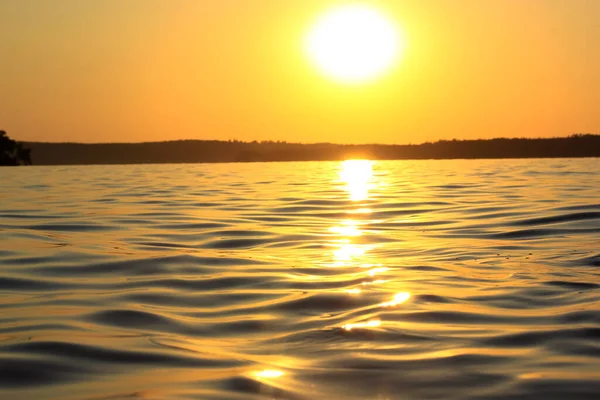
x: 356, y: 280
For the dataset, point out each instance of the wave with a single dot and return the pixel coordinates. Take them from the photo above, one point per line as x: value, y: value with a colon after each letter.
x: 393, y: 280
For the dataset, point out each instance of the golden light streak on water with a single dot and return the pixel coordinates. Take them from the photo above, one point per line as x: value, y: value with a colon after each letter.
x: 376, y: 271
x: 347, y: 228
x: 398, y: 299
x: 376, y: 282
x: 370, y: 324
x: 348, y: 251
x: 269, y: 374
x: 363, y: 210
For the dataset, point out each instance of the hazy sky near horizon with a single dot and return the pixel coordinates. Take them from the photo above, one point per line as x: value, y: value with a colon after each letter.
x: 147, y: 70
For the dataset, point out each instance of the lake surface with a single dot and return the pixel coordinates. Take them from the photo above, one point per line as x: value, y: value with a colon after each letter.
x: 357, y: 280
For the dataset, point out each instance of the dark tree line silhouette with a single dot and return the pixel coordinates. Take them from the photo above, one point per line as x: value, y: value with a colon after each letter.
x: 211, y: 151
x: 13, y: 153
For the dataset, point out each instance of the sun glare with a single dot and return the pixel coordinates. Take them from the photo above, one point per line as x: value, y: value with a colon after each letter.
x: 354, y: 43
x: 358, y: 176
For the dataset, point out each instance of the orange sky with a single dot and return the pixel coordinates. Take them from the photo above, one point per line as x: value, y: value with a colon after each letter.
x: 147, y: 70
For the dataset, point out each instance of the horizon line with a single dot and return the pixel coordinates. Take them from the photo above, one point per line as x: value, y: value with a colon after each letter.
x: 312, y: 143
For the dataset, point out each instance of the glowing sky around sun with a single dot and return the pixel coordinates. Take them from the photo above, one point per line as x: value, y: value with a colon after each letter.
x: 145, y: 70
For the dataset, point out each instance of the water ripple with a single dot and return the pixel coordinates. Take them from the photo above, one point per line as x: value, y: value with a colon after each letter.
x: 458, y: 279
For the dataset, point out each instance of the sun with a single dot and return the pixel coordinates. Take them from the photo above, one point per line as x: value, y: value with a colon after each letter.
x: 354, y: 43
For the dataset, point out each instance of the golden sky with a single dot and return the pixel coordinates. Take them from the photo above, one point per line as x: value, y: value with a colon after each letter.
x: 147, y: 70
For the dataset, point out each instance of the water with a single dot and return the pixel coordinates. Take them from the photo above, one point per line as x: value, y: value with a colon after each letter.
x: 357, y: 280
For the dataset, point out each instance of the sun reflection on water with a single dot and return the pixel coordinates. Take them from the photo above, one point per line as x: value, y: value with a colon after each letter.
x: 370, y: 324
x: 375, y: 282
x: 363, y: 210
x: 358, y: 175
x: 268, y: 374
x: 398, y: 299
x: 375, y: 271
x: 354, y: 291
x: 347, y: 228
x: 348, y: 251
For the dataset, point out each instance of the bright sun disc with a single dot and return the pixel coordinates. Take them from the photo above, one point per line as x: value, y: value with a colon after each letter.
x: 353, y: 43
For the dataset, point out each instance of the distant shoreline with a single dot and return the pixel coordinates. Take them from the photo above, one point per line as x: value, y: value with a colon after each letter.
x: 214, y: 151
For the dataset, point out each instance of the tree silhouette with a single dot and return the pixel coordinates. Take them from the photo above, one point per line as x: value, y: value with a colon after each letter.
x: 211, y: 151
x: 12, y: 152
